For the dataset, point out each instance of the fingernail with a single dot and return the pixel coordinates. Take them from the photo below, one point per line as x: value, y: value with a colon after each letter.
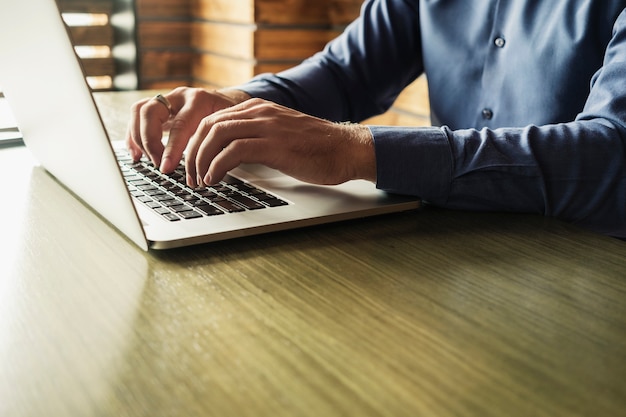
x: 191, y: 182
x: 207, y: 179
x: 165, y: 164
x: 136, y: 155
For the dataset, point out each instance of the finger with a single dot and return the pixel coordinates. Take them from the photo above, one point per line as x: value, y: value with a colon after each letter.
x: 182, y: 129
x: 179, y: 135
x: 190, y: 159
x: 221, y: 135
x: 194, y: 104
x: 196, y: 141
x: 237, y: 152
x: 217, y: 130
x: 206, y: 129
x: 153, y: 115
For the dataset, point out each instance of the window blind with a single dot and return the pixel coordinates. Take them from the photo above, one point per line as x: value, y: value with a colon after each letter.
x: 102, y: 32
x: 89, y: 23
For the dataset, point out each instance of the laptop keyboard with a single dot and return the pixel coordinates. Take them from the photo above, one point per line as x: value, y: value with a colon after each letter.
x: 169, y: 196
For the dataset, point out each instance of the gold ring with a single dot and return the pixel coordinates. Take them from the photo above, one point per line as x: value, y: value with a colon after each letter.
x: 161, y: 99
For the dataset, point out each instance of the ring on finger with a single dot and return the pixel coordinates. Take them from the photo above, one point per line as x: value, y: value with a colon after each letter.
x: 163, y: 100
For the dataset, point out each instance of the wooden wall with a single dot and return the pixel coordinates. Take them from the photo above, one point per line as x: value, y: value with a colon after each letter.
x: 164, y: 43
x: 219, y: 43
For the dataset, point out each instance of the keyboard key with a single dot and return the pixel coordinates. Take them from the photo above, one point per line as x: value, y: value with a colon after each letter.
x: 170, y: 203
x: 247, y: 202
x: 164, y: 197
x: 171, y: 217
x: 190, y: 198
x: 154, y: 193
x: 274, y: 202
x: 180, y: 192
x: 220, y: 188
x: 216, y: 198
x: 229, y: 206
x: 244, y: 186
x: 190, y: 214
x: 229, y: 179
x: 146, y: 187
x: 180, y: 208
x: 209, y: 210
x: 169, y: 195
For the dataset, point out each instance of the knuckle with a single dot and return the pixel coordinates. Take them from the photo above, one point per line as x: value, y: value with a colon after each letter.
x: 206, y: 123
x: 136, y: 107
x: 219, y: 127
x: 237, y: 147
x: 196, y: 96
x: 215, y: 125
x: 179, y: 124
x: 256, y: 104
x: 146, y: 111
x: 180, y: 90
x: 255, y: 101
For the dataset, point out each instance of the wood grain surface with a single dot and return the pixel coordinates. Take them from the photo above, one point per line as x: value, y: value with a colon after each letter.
x: 424, y: 313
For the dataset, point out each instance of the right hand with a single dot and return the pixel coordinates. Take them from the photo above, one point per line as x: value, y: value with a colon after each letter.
x: 150, y: 119
x: 258, y: 131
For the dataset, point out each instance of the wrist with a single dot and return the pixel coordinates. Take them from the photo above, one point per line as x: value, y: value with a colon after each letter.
x: 361, y: 152
x: 236, y: 96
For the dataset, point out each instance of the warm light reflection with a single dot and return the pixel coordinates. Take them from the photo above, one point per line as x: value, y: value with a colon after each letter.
x: 98, y: 51
x: 103, y: 82
x: 85, y: 19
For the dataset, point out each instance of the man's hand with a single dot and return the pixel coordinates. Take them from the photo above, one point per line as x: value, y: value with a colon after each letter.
x: 223, y: 129
x: 150, y: 118
x: 302, y: 146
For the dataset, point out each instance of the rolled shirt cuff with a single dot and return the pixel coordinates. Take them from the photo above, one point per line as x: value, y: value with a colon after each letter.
x: 413, y: 161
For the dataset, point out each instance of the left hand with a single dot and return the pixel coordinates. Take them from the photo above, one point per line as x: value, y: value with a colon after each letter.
x: 302, y: 146
x: 150, y: 118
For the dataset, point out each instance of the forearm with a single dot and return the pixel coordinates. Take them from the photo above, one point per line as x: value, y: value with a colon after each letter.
x: 236, y: 95
x: 572, y: 171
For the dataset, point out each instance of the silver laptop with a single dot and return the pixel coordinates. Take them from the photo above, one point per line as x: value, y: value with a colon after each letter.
x: 60, y: 124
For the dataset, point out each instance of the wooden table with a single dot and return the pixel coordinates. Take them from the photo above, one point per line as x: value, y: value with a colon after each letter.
x: 433, y: 313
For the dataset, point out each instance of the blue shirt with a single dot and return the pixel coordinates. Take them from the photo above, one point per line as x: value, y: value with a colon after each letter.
x: 528, y: 101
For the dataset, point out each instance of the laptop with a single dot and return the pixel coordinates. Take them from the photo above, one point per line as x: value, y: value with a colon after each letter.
x: 9, y: 133
x: 55, y: 111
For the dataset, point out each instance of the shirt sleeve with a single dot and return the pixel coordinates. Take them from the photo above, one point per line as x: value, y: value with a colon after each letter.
x: 357, y: 75
x: 575, y: 171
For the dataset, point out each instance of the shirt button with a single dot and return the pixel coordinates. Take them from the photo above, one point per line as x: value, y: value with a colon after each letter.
x: 499, y: 42
x: 487, y: 114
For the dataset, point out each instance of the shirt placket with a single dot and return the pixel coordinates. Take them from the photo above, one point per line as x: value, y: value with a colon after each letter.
x: 492, y: 75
